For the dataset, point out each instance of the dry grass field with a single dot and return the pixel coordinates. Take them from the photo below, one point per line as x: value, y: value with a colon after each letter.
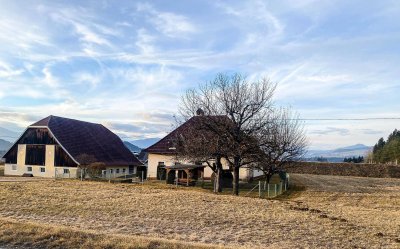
x: 333, y: 212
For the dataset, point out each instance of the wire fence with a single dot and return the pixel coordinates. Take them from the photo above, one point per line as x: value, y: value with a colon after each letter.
x: 269, y: 190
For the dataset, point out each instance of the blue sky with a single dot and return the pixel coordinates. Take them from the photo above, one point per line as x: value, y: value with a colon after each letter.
x: 126, y: 63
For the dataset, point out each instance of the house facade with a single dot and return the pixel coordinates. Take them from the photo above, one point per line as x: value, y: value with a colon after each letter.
x: 162, y: 157
x: 60, y: 147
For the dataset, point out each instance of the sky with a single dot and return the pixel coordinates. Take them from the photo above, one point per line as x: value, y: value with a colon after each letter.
x: 125, y: 64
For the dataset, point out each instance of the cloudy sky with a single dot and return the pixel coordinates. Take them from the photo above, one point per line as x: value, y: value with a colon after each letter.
x: 126, y: 63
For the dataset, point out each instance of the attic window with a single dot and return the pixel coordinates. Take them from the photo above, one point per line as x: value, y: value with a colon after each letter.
x: 172, y: 148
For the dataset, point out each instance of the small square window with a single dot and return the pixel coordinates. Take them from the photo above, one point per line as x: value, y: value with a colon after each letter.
x: 29, y: 169
x: 42, y: 170
x: 66, y: 171
x: 13, y: 167
x: 117, y: 171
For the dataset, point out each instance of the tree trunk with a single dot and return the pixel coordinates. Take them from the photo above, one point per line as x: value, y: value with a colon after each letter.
x: 218, y: 176
x: 236, y: 168
x: 235, y: 181
x: 269, y: 176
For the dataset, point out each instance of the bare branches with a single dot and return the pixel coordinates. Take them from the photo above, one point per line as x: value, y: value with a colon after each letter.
x: 235, y: 110
x: 281, y: 142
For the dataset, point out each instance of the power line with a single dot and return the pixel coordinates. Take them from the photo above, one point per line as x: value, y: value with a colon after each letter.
x: 343, y: 119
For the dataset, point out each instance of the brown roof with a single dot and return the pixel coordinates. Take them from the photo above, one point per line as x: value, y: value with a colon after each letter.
x: 167, y: 144
x: 79, y: 137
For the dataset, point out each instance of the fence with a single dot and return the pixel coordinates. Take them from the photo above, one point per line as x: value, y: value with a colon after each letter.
x: 61, y: 173
x: 268, y: 190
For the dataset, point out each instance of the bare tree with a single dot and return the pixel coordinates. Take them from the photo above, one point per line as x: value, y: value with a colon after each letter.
x: 85, y: 161
x: 244, y: 107
x: 281, y: 142
x: 197, y: 142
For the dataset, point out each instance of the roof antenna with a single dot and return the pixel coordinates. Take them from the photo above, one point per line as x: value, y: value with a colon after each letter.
x: 200, y: 112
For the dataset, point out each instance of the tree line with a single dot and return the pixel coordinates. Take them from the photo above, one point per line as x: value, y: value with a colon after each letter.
x: 386, y: 151
x: 354, y: 159
x: 238, y: 122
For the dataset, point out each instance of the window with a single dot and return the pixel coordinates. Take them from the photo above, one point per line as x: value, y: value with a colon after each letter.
x: 29, y: 169
x: 13, y: 167
x: 42, y: 170
x: 66, y: 171
x: 117, y: 171
x: 111, y: 171
x: 123, y: 170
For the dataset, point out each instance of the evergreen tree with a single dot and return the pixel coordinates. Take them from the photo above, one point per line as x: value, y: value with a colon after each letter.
x: 387, y: 151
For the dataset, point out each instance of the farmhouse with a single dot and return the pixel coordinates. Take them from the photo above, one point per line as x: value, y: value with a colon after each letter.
x: 163, y: 163
x: 56, y: 147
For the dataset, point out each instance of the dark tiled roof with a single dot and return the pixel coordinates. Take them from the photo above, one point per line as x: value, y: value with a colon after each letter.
x: 166, y: 144
x: 78, y: 137
x: 143, y: 156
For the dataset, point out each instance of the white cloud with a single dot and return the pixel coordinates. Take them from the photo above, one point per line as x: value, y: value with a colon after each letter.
x: 251, y: 14
x: 87, y: 78
x: 145, y: 42
x: 49, y: 78
x: 7, y: 71
x: 169, y: 24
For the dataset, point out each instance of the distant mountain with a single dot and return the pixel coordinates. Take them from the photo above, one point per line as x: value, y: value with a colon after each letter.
x: 8, y: 135
x: 132, y: 147
x: 340, y: 153
x: 352, y: 148
x: 144, y: 143
x: 4, y: 145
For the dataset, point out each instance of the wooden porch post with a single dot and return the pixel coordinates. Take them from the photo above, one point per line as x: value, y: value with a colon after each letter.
x: 187, y: 175
x: 167, y: 174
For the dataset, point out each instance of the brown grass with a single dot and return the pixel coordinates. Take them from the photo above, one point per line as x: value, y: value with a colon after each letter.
x: 366, y: 214
x: 34, y: 235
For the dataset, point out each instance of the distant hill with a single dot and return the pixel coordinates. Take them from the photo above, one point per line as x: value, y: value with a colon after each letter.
x: 144, y: 143
x: 8, y: 135
x: 5, y: 145
x: 132, y: 147
x: 337, y: 155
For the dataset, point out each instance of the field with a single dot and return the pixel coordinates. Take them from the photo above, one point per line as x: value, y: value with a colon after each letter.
x: 333, y: 212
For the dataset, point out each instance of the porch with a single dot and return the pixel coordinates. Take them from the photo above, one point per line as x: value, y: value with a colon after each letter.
x: 184, y: 174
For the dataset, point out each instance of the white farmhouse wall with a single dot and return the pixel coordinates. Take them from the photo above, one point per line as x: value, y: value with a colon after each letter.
x: 169, y: 160
x: 50, y: 170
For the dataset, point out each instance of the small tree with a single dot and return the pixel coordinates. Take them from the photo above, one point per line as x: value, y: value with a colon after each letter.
x: 95, y: 169
x: 85, y: 161
x: 281, y: 142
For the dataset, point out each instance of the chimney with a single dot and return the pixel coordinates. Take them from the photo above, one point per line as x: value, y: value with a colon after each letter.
x: 200, y: 112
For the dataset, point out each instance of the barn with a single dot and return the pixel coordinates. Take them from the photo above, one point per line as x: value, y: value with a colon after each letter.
x: 58, y: 147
